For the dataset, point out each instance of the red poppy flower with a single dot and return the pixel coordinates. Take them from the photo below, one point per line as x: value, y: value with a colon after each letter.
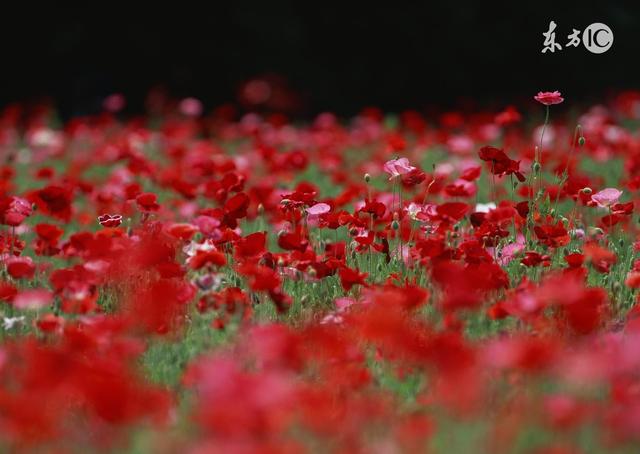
x: 50, y: 323
x: 471, y: 173
x: 377, y: 209
x: 452, y: 211
x: 574, y: 260
x: 500, y: 162
x: 205, y: 258
x: 49, y: 233
x: 48, y: 237
x: 235, y: 208
x: 460, y: 188
x: 54, y: 201
x: 533, y: 258
x: 110, y: 220
x: 261, y: 278
x: 147, y: 201
x: 182, y: 231
x: 20, y: 267
x: 350, y: 277
x: 293, y: 241
x: 553, y: 235
x: 7, y: 291
x: 508, y: 116
x: 251, y: 245
x: 413, y: 178
x: 523, y: 209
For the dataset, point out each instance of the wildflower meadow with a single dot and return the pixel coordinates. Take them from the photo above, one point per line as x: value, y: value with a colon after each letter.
x: 218, y: 282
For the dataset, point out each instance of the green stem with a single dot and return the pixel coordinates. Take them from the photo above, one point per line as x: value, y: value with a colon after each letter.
x: 544, y: 128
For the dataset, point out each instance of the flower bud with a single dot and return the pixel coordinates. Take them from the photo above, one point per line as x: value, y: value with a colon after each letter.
x: 581, y: 141
x: 536, y: 167
x: 367, y: 177
x: 395, y: 225
x: 587, y: 191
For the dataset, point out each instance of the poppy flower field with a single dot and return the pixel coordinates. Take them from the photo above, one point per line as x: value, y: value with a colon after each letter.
x: 199, y: 283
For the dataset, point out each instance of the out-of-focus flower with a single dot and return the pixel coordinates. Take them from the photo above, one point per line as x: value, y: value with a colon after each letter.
x: 20, y: 267
x: 33, y: 299
x: 9, y: 322
x: 191, y: 107
x: 508, y: 116
x: 147, y: 201
x: 114, y: 103
x: 485, y: 207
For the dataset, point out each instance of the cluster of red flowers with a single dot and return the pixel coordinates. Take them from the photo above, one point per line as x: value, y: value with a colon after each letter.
x: 370, y: 288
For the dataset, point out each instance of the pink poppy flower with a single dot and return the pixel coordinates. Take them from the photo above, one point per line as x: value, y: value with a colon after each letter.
x: 15, y: 210
x: 314, y: 212
x: 206, y: 224
x: 606, y: 197
x: 191, y: 107
x: 318, y: 209
x: 509, y: 252
x: 114, y: 103
x: 33, y: 299
x: 343, y: 304
x: 397, y: 167
x: 549, y: 97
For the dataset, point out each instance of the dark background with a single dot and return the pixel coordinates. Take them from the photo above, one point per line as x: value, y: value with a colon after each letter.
x: 338, y: 56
